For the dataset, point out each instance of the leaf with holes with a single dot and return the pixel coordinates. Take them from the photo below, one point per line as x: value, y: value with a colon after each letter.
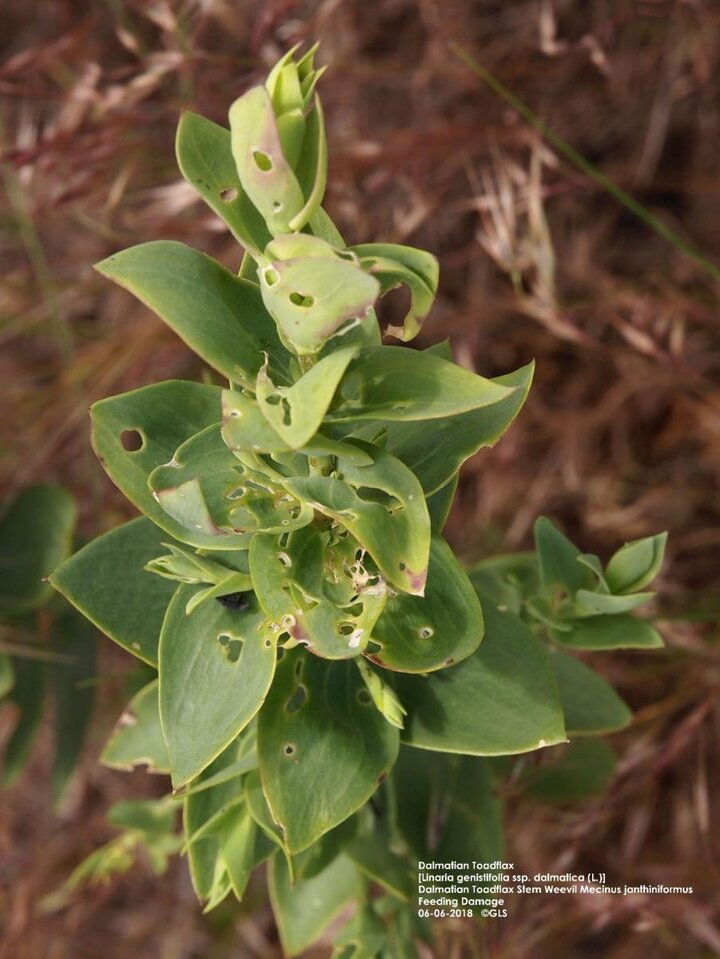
x: 35, y: 536
x: 315, y: 298
x: 137, y: 739
x: 206, y: 488
x: 296, y: 413
x: 394, y: 383
x: 136, y: 432
x: 501, y: 700
x: 383, y: 506
x: 218, y: 314
x: 590, y: 705
x: 418, y: 634
x: 204, y: 155
x: 317, y: 590
x: 322, y: 745
x: 395, y: 265
x: 106, y: 581
x: 454, y: 438
x: 216, y: 666
x: 264, y: 173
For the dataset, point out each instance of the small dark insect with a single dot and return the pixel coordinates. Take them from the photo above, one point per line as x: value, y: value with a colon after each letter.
x: 235, y: 601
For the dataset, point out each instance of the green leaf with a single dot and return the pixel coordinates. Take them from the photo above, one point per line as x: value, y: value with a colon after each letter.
x: 417, y: 634
x: 207, y: 867
x: 507, y: 580
x: 364, y: 937
x: 582, y: 769
x: 588, y: 603
x: 204, y: 155
x: 396, y: 383
x: 636, y: 564
x: 216, y: 666
x: 35, y: 535
x: 609, y: 632
x: 500, y: 701
x: 312, y: 166
x: 590, y: 704
x: 206, y: 488
x: 137, y: 739
x: 143, y: 815
x: 160, y: 418
x: 296, y: 413
x: 74, y: 693
x: 317, y: 590
x: 305, y: 910
x: 470, y: 811
x: 264, y: 172
x: 260, y: 811
x: 7, y: 675
x: 440, y: 503
x: 322, y: 745
x: 373, y: 857
x: 315, y: 298
x: 219, y: 315
x: 558, y: 559
x: 394, y: 265
x: 455, y: 438
x: 383, y: 506
x: 242, y: 847
x: 106, y: 581
x: 27, y: 695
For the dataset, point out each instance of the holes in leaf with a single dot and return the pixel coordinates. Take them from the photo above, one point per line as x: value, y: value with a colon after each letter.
x: 345, y: 628
x: 267, y: 643
x: 262, y: 161
x: 289, y: 749
x: 425, y: 632
x: 363, y: 697
x: 271, y: 276
x: 274, y: 399
x: 229, y: 194
x: 402, y: 567
x: 373, y: 647
x: 284, y: 559
x: 299, y: 299
x: 283, y: 541
x: 287, y: 412
x: 297, y: 700
x: 235, y: 601
x: 236, y: 493
x: 277, y: 206
x: 230, y: 646
x: 355, y: 610
x: 132, y: 441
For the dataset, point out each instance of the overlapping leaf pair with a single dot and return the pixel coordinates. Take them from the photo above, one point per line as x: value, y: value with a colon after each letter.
x: 307, y: 607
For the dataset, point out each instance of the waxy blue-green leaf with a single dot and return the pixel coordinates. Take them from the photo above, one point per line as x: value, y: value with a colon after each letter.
x: 322, y: 745
x: 243, y: 846
x: 397, y: 383
x: 303, y: 911
x: 455, y: 438
x: 315, y: 298
x: 383, y: 506
x: 158, y: 419
x: 589, y: 603
x: 418, y: 634
x: 501, y: 700
x: 590, y: 704
x: 204, y: 155
x: 106, y: 581
x: 137, y: 739
x: 219, y: 315
x: 264, y: 172
x: 636, y: 564
x: 206, y: 488
x: 380, y: 864
x: 317, y: 592
x: 296, y: 412
x: 36, y: 530
x: 609, y: 632
x: 394, y: 265
x: 440, y: 503
x: 216, y: 666
x: 558, y: 558
x: 71, y: 676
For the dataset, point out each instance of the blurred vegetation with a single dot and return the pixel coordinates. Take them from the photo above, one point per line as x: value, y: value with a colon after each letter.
x: 620, y: 436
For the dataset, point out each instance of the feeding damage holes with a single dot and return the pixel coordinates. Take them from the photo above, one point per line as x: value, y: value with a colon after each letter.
x: 425, y: 632
x: 277, y: 206
x: 132, y: 440
x: 230, y: 646
x: 289, y: 750
x: 262, y: 161
x: 270, y: 276
x: 299, y: 299
x: 402, y: 567
x: 229, y: 194
x: 297, y: 700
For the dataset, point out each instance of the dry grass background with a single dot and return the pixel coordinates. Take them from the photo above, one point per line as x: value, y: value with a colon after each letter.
x: 621, y: 436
